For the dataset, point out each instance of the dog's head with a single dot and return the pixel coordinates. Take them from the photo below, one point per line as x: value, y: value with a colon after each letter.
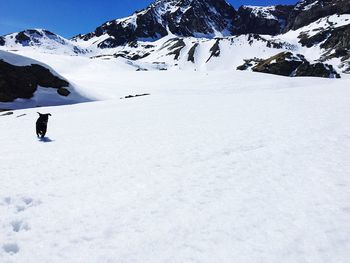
x: 44, y: 116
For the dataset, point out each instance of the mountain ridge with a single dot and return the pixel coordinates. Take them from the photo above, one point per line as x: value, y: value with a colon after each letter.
x: 183, y: 34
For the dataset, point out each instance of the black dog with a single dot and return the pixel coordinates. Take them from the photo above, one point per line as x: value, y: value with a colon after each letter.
x: 41, y: 124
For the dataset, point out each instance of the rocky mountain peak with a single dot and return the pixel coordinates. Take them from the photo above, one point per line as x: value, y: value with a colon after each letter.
x: 33, y: 36
x: 197, y: 18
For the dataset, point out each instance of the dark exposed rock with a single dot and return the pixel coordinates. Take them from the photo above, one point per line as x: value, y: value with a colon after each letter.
x: 339, y: 38
x: 105, y: 57
x: 262, y: 20
x: 22, y: 82
x: 335, y: 42
x: 133, y: 44
x: 8, y: 113
x: 284, y: 64
x: 22, y: 38
x: 148, y: 46
x: 341, y: 53
x: 139, y: 56
x: 131, y: 56
x: 269, y: 42
x: 215, y: 50
x: 310, y: 41
x: 191, y: 52
x: 288, y: 64
x: 137, y: 95
x: 63, y: 92
x: 249, y: 63
x: 308, y: 11
x: 333, y: 38
x: 316, y: 70
x: 176, y: 46
x: 2, y: 41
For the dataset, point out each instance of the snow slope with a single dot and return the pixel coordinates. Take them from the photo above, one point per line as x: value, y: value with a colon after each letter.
x: 43, y: 96
x: 211, y: 167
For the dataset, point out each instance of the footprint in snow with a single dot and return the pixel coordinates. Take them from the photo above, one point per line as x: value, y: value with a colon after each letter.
x: 11, y: 248
x: 19, y: 225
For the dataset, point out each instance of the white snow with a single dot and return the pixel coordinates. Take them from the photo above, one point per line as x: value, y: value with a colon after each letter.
x: 263, y: 11
x: 213, y: 166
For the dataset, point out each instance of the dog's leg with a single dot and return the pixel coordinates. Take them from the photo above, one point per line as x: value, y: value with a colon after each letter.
x: 43, y: 132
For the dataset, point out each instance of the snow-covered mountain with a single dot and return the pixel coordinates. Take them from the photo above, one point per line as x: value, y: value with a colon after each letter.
x: 165, y: 35
x: 196, y: 18
x: 41, y: 40
x: 208, y: 18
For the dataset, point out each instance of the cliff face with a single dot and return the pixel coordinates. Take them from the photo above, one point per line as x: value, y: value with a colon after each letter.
x: 270, y: 20
x: 308, y: 11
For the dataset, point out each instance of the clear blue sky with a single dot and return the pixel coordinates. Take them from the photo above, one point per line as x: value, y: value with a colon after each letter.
x: 71, y: 17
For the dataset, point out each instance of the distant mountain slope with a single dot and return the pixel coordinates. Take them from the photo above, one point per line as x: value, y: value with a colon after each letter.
x: 208, y: 35
x: 41, y: 39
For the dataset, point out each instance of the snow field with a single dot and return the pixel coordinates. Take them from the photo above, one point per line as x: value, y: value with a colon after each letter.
x: 211, y: 167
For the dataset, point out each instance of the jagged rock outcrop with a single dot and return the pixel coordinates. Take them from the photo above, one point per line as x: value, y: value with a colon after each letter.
x: 191, y: 52
x: 308, y: 11
x: 288, y: 64
x: 174, y: 46
x: 22, y: 81
x: 284, y: 63
x: 270, y: 20
x: 319, y: 69
x: 338, y: 39
x: 215, y: 50
x: 2, y: 41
